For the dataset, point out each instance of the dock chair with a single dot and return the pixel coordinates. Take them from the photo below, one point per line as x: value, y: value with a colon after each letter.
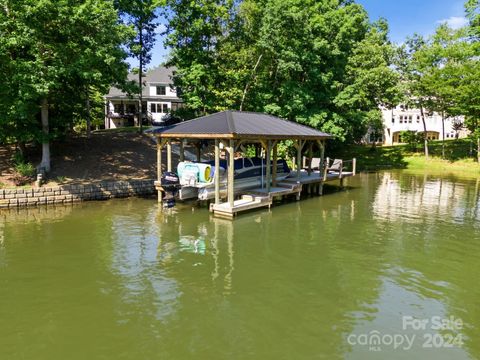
x: 336, y: 167
x: 315, y: 163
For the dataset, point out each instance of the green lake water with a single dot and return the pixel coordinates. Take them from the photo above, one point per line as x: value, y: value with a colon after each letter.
x: 343, y: 276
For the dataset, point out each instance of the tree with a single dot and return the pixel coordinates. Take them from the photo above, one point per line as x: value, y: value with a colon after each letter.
x: 197, y: 32
x: 441, y: 73
x: 413, y: 65
x: 468, y: 96
x: 412, y: 138
x: 290, y: 58
x: 443, y: 53
x: 53, y: 49
x: 370, y: 82
x: 457, y: 126
x: 141, y: 14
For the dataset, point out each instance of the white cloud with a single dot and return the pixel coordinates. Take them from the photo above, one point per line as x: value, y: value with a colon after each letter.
x: 455, y: 22
x: 160, y: 28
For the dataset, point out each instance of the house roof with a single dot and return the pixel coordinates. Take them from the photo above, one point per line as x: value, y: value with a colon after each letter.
x: 240, y: 125
x: 159, y: 75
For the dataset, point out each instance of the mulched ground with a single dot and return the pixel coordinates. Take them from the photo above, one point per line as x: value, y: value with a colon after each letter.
x: 103, y: 156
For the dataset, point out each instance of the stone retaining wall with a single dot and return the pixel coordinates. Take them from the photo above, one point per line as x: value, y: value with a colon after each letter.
x: 64, y: 194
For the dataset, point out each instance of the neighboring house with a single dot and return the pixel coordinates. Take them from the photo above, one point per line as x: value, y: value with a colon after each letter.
x: 159, y: 98
x: 401, y: 118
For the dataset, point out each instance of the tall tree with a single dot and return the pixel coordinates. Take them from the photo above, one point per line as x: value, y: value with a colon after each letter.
x: 197, y: 31
x: 370, y: 81
x: 443, y: 53
x: 468, y: 96
x: 142, y: 15
x: 413, y: 65
x: 52, y: 49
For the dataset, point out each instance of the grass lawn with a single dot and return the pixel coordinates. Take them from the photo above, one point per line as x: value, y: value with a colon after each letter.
x: 458, y: 160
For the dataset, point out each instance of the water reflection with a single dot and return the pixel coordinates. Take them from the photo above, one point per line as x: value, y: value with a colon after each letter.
x: 415, y: 198
x: 432, y: 226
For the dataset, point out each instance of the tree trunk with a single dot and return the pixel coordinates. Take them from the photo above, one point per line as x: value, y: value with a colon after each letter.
x: 140, y: 83
x: 478, y: 149
x: 45, y: 163
x: 89, y: 120
x: 247, y: 85
x: 425, y: 140
x: 443, y: 135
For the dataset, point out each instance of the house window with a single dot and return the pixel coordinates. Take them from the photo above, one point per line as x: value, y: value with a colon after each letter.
x: 165, y: 108
x: 118, y: 108
x: 410, y: 119
x: 175, y: 106
x: 153, y: 108
x: 161, y: 90
x: 131, y: 109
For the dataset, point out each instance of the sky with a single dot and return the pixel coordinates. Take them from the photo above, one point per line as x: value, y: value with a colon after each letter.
x: 405, y: 17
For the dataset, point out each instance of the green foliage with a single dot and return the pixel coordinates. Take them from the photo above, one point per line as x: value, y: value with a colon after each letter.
x: 18, y: 158
x: 319, y: 63
x: 412, y: 138
x: 25, y: 169
x: 55, y: 50
x: 441, y: 73
x: 141, y: 16
x: 60, y: 179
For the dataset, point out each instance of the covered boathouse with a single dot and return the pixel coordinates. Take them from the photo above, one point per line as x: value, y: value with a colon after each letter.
x: 229, y: 130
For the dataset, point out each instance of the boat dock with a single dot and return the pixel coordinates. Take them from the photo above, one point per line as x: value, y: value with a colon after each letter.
x: 230, y: 133
x: 309, y: 182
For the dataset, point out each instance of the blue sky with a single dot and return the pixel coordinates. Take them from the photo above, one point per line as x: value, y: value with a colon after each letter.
x: 405, y: 17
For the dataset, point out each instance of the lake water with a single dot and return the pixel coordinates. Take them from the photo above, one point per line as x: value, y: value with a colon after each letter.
x: 387, y: 269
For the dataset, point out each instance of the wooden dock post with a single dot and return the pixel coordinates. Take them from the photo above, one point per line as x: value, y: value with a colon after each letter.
x: 160, y: 144
x: 182, y: 150
x: 231, y: 173
x: 169, y: 155
x: 274, y: 167
x: 217, y: 172
x: 299, y: 146
x: 269, y: 165
x: 310, y: 156
x: 322, y: 167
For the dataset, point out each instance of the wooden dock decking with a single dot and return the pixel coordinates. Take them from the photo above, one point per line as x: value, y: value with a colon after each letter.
x: 246, y: 202
x: 261, y: 197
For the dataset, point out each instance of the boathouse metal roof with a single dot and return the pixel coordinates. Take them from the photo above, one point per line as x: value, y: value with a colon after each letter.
x: 240, y: 125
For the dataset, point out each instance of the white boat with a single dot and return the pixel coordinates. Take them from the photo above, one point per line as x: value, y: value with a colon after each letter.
x: 197, y: 179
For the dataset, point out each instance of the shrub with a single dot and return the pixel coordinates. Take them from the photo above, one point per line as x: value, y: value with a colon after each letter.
x: 412, y: 138
x: 24, y: 172
x: 25, y: 169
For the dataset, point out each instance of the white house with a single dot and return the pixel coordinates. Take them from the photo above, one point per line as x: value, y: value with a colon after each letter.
x: 402, y: 118
x: 159, y: 98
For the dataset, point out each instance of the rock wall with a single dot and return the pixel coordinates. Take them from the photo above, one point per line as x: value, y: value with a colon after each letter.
x: 64, y: 194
